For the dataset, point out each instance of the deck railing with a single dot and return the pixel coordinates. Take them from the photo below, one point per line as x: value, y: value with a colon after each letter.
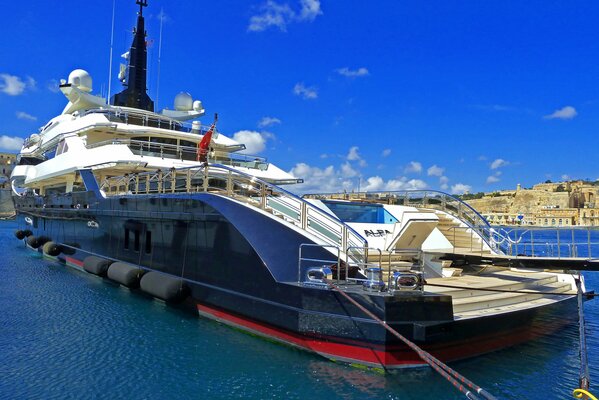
x: 152, y: 120
x: 226, y: 181
x: 554, y: 241
x: 184, y: 153
x: 429, y: 199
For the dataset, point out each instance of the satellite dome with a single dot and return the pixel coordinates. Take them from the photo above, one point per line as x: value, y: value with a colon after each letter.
x: 183, y: 102
x: 81, y: 79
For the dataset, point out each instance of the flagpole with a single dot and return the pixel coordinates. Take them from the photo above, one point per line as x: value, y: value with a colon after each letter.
x: 111, y: 45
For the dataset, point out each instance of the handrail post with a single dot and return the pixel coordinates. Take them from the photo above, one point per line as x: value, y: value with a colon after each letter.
x: 339, y: 265
x: 160, y: 181
x: 344, y: 237
x: 173, y: 179
x: 229, y: 184
x: 147, y: 183
x: 188, y: 181
x: 136, y: 183
x: 558, y: 245
x: 304, y: 215
x: 263, y: 200
x: 205, y: 181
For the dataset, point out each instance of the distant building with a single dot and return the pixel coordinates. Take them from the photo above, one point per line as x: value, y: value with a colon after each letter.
x: 551, y: 216
x: 546, y: 204
x: 589, y: 217
x: 7, y: 163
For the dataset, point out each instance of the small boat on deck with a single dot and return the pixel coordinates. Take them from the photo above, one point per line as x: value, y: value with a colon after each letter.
x: 172, y: 209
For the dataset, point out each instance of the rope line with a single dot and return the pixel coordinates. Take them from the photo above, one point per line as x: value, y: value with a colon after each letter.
x: 455, y: 378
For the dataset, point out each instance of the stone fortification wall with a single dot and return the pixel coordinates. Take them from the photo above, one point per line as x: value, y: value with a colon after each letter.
x: 6, y: 204
x: 521, y: 202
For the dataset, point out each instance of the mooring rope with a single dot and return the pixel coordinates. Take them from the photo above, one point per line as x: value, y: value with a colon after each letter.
x: 455, y: 378
x: 584, y: 380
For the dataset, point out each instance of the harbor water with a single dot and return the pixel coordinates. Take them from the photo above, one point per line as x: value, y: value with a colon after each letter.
x: 65, y: 334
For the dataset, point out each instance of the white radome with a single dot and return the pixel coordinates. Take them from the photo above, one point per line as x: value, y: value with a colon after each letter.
x: 81, y: 79
x: 183, y: 102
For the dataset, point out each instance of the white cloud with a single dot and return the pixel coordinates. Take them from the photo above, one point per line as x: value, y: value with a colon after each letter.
x: 376, y: 183
x: 353, y: 154
x: 310, y: 10
x: 460, y: 188
x: 492, y: 179
x: 11, y: 85
x: 30, y: 83
x: 320, y: 180
x: 331, y: 179
x: 347, y: 171
x: 273, y: 14
x: 567, y: 112
x: 255, y: 142
x: 353, y: 73
x: 8, y: 143
x: 498, y: 163
x: 386, y: 153
x: 413, y: 167
x: 435, y: 170
x: 482, y: 158
x: 24, y: 115
x: 566, y: 177
x: 373, y: 184
x: 268, y: 121
x: 443, y: 181
x: 278, y: 15
x: 306, y: 92
x: 53, y: 86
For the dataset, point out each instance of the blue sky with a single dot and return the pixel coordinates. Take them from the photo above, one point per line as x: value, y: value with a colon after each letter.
x: 451, y: 95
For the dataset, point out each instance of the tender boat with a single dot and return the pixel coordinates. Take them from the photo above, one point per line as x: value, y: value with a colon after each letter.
x: 165, y: 205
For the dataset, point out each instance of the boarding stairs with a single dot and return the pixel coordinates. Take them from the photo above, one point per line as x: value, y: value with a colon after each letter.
x: 472, y: 295
x: 463, y: 238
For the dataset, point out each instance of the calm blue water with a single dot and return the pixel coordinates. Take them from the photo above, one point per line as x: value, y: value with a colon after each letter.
x: 69, y: 335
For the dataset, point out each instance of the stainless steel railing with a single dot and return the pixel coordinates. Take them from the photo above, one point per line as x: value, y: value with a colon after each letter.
x: 429, y: 199
x: 560, y: 242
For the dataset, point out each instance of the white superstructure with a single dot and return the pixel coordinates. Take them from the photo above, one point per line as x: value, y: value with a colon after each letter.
x: 114, y: 140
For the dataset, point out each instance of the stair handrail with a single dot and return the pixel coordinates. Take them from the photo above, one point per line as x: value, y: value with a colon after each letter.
x: 166, y: 181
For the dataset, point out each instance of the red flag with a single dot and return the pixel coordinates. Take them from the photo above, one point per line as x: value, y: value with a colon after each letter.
x: 204, y: 144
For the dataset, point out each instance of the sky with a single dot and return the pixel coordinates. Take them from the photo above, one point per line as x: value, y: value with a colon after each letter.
x: 446, y: 95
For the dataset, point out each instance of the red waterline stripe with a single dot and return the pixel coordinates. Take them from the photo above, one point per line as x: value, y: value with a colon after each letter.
x: 329, y: 349
x: 399, y: 356
x: 74, y: 261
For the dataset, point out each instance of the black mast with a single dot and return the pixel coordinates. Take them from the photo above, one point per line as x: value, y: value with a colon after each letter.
x: 135, y: 93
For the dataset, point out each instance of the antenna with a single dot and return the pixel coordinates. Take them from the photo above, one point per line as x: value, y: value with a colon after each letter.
x: 111, y: 45
x: 142, y: 4
x: 159, y: 54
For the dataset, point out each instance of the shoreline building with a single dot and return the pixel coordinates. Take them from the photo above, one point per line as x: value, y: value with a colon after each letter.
x: 571, y: 203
